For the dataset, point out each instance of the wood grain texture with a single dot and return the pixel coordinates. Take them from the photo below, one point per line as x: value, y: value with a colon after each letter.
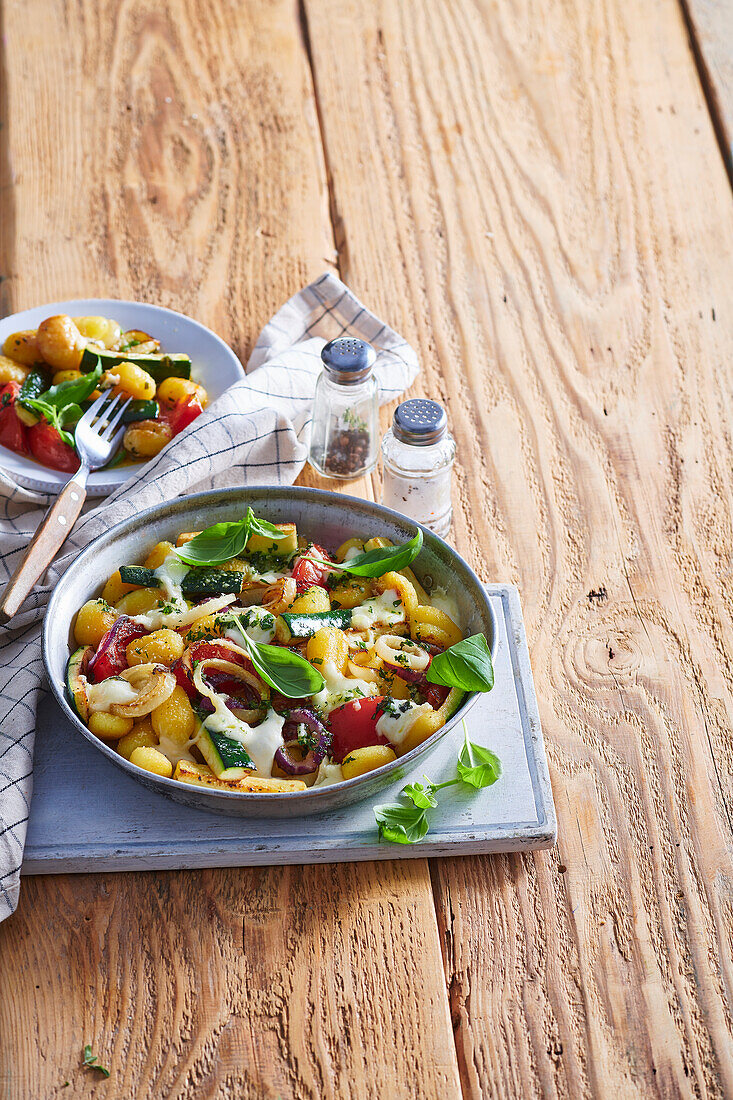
x: 170, y: 151
x: 710, y: 23
x: 542, y: 206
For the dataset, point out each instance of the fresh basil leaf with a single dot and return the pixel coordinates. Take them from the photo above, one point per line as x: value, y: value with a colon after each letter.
x: 91, y: 1062
x: 223, y: 541
x: 52, y: 415
x: 283, y: 670
x: 477, y: 765
x: 74, y: 391
x: 466, y: 665
x: 423, y: 797
x: 401, y: 824
x: 375, y: 563
x: 216, y: 544
x: 266, y: 529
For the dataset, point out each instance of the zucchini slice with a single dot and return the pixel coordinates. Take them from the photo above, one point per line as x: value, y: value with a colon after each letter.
x: 291, y: 625
x: 159, y: 366
x: 136, y: 574
x: 453, y: 700
x: 227, y: 758
x: 76, y: 684
x: 197, y: 582
x: 140, y: 410
x: 212, y: 582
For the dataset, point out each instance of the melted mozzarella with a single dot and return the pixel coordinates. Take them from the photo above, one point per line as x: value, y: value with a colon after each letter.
x: 101, y: 696
x: 261, y: 742
x: 396, y: 727
x: 175, y: 752
x: 328, y: 774
x: 351, y: 553
x: 386, y: 609
x: 257, y: 623
x: 155, y: 619
x: 439, y: 598
x: 171, y: 574
x: 339, y: 689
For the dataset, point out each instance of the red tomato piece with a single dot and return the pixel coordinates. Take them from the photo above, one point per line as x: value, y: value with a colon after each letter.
x: 307, y: 574
x: 47, y: 446
x: 184, y: 413
x: 13, y: 432
x: 435, y: 694
x: 354, y: 726
x: 110, y: 658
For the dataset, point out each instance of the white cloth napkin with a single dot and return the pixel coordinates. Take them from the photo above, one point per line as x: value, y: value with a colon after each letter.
x: 256, y: 433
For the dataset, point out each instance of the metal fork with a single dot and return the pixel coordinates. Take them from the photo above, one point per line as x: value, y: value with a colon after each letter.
x: 97, y: 435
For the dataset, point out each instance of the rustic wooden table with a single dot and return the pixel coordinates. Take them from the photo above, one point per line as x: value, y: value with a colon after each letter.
x: 534, y: 195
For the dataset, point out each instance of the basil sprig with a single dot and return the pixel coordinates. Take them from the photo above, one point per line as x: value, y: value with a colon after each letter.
x: 283, y: 670
x: 92, y: 1062
x: 407, y: 822
x: 61, y: 404
x: 467, y: 665
x: 223, y: 541
x: 377, y: 562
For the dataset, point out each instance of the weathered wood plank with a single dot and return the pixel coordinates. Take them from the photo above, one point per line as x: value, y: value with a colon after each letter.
x: 542, y: 203
x: 170, y: 151
x: 710, y: 23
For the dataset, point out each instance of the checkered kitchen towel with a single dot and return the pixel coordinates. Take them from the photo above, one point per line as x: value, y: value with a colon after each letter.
x: 256, y: 433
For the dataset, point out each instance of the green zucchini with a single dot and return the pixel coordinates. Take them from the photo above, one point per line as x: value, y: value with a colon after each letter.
x: 136, y: 574
x: 75, y: 684
x: 140, y: 410
x: 454, y: 698
x: 159, y: 366
x: 227, y: 758
x: 34, y: 384
x: 197, y: 582
x: 292, y: 625
x: 212, y: 582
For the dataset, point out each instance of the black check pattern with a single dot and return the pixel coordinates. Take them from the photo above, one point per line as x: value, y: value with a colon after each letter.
x: 257, y: 433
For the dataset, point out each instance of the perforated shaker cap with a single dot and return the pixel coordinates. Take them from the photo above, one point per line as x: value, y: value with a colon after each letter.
x: 348, y: 360
x: 419, y: 422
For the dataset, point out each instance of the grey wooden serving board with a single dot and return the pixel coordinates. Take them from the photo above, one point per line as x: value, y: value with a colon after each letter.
x: 87, y: 815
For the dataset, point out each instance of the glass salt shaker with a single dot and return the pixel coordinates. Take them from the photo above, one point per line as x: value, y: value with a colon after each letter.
x: 345, y: 431
x: 418, y: 453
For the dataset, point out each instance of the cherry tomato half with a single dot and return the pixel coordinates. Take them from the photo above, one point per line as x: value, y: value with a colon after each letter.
x: 308, y: 573
x: 13, y: 433
x: 184, y: 413
x: 354, y: 726
x: 47, y: 446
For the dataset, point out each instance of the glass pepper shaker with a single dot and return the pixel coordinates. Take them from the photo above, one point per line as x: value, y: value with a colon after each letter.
x: 418, y: 453
x: 345, y: 430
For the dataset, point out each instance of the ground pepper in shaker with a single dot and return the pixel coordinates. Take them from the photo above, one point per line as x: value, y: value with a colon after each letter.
x: 417, y: 454
x: 345, y: 411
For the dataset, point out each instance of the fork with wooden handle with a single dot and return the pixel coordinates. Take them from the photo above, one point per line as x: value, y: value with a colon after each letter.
x: 97, y: 435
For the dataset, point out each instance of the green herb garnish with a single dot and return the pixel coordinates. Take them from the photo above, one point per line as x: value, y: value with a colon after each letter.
x: 61, y: 405
x: 283, y: 670
x: 377, y: 562
x: 90, y: 1061
x: 467, y: 665
x: 224, y: 541
x: 407, y: 822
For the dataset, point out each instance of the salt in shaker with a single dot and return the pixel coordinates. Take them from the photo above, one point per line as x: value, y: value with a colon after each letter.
x: 418, y: 453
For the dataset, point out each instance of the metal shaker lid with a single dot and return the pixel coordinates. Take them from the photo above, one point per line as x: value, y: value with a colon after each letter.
x: 348, y: 360
x: 419, y: 422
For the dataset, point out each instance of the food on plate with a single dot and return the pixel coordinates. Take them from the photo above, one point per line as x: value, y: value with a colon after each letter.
x: 50, y: 375
x: 249, y: 658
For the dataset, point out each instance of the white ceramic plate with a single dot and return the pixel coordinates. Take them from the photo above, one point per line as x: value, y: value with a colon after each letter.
x: 213, y: 364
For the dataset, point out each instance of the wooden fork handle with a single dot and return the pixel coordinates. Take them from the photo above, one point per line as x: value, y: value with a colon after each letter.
x: 42, y: 548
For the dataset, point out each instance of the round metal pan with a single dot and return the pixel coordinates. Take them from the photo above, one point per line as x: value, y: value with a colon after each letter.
x: 327, y: 518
